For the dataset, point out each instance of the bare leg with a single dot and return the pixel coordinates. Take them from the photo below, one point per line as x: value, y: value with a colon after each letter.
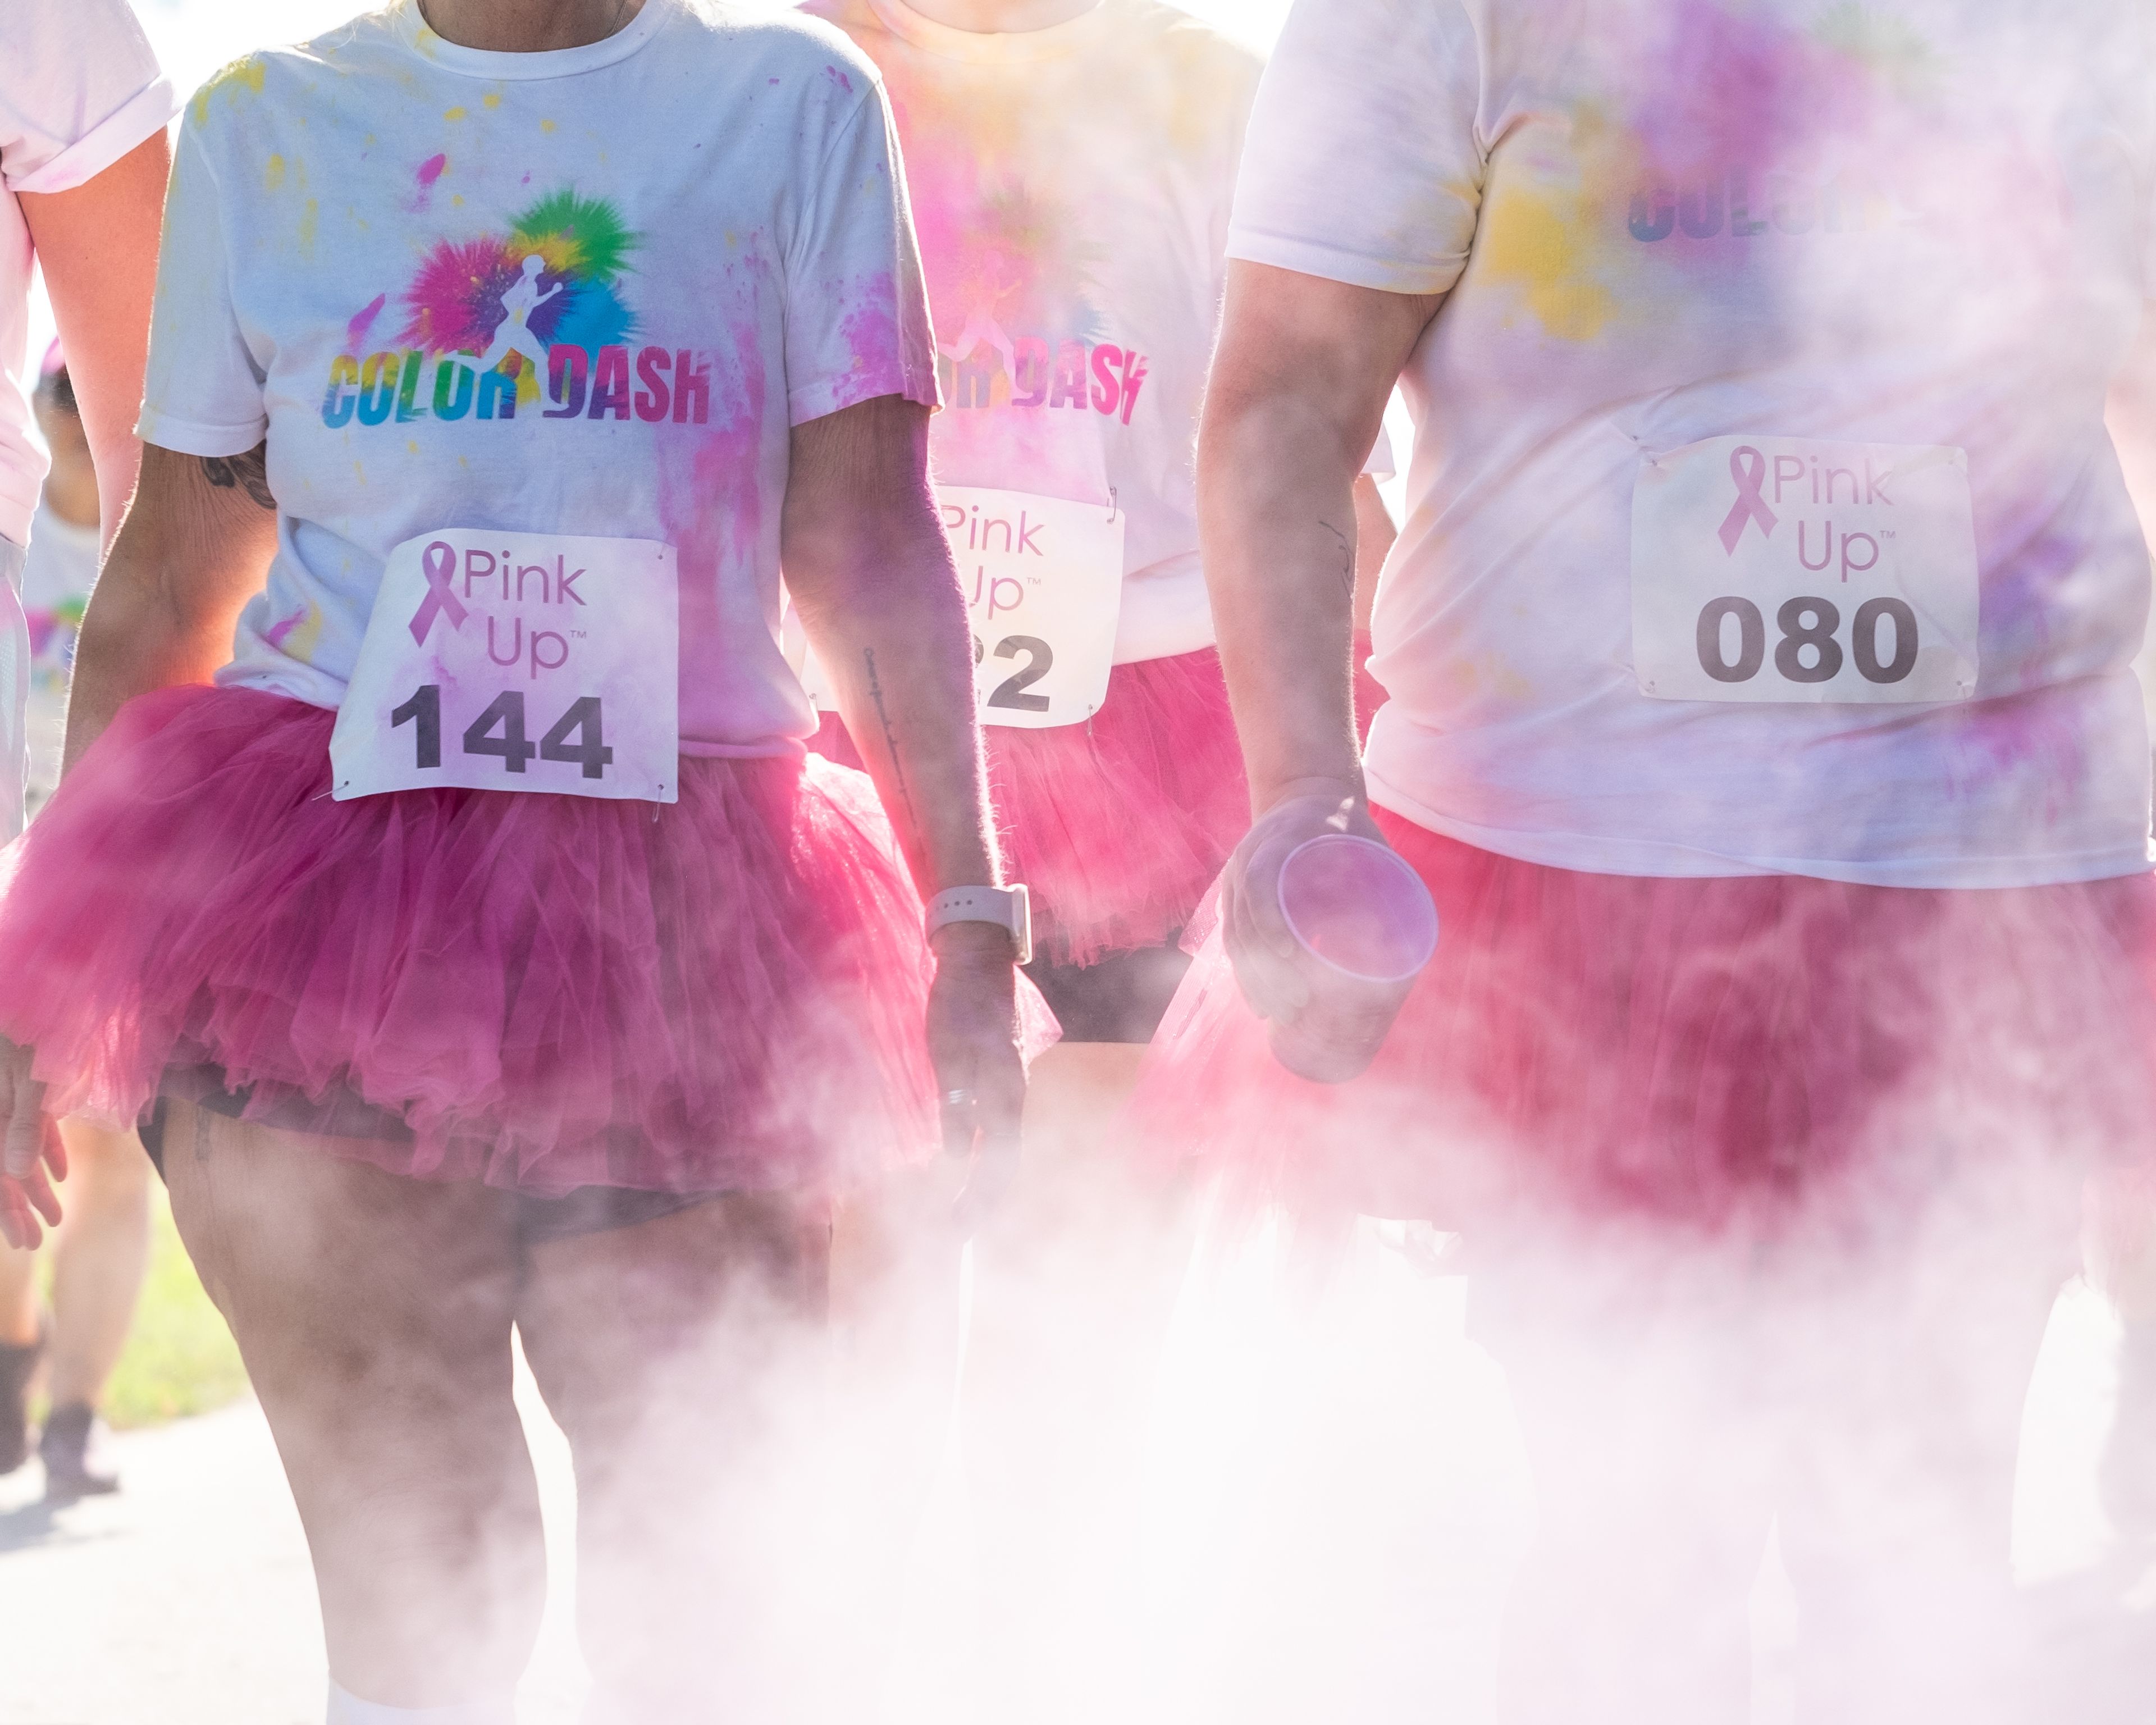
x: 1653, y: 1511
x: 1074, y: 1284
x: 103, y: 1251
x: 896, y: 1260
x: 374, y: 1316
x: 684, y: 1358
x: 21, y: 1352
x: 18, y: 1297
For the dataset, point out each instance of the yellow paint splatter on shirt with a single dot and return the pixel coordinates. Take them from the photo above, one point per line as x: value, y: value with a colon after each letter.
x: 298, y: 637
x: 492, y: 99
x: 242, y: 74
x: 546, y: 126
x: 1540, y: 241
x: 273, y: 174
x: 455, y: 114
x: 309, y: 221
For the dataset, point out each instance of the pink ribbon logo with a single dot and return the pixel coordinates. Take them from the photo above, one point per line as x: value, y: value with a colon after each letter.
x: 440, y: 562
x: 1751, y: 477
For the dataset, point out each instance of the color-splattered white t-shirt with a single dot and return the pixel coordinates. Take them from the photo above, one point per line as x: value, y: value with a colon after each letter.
x: 57, y: 577
x: 584, y: 292
x: 1768, y: 394
x: 1072, y: 187
x: 78, y: 89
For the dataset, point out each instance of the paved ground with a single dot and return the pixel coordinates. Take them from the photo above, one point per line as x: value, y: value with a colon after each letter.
x: 1341, y: 1503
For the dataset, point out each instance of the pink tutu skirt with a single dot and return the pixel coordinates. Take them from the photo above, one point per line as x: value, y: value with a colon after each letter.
x: 1119, y: 824
x: 1713, y: 1052
x: 549, y: 991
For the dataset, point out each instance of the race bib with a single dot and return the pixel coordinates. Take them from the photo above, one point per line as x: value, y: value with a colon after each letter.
x: 517, y: 662
x: 1781, y: 569
x: 1043, y: 585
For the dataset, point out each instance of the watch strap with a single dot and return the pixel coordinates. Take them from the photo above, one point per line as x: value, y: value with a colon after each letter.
x: 1010, y: 908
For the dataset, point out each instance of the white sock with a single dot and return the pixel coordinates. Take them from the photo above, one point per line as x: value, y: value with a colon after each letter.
x: 346, y: 1709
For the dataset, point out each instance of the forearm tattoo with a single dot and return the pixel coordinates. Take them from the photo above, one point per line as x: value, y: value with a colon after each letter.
x: 890, y: 737
x: 250, y: 472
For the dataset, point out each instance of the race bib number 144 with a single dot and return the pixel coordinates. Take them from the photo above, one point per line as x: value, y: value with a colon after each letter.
x: 517, y: 662
x: 1783, y: 569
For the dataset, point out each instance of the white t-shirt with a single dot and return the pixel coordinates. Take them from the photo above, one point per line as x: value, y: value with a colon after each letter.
x: 1920, y: 226
x: 78, y: 89
x: 57, y: 578
x: 1072, y: 187
x: 725, y: 253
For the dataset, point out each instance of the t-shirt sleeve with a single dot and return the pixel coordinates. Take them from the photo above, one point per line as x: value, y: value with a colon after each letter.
x: 857, y: 322
x: 202, y: 394
x: 1365, y: 158
x: 1384, y: 464
x: 79, y: 88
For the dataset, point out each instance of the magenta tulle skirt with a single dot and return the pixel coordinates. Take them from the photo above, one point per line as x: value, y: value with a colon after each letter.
x: 1724, y: 1053
x: 548, y: 992
x: 1117, y: 825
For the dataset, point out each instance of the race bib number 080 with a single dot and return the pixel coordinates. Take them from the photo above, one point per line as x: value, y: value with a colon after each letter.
x: 1783, y: 569
x: 517, y: 662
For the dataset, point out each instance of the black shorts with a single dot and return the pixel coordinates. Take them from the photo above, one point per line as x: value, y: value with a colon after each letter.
x: 1122, y: 998
x: 343, y: 1114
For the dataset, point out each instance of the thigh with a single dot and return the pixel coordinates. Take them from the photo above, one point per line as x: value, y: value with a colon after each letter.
x: 684, y: 1358
x: 692, y: 1302
x: 104, y: 1168
x: 374, y: 1315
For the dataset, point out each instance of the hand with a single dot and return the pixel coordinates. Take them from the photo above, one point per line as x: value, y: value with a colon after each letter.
x: 1263, y: 949
x: 972, y: 1040
x: 32, y: 1157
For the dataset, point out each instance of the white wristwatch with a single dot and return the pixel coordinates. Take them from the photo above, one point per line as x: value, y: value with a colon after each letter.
x: 1010, y: 908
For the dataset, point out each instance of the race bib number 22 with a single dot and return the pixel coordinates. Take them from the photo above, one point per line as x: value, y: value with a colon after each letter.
x: 1784, y: 569
x: 517, y: 662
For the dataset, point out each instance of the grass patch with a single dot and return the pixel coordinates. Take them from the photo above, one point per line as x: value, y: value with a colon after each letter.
x: 181, y: 1359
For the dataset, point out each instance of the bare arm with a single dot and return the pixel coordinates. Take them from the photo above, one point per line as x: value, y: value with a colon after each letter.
x: 1374, y: 534
x: 195, y: 547
x: 871, y: 574
x: 97, y: 245
x: 1298, y: 391
x: 2130, y: 413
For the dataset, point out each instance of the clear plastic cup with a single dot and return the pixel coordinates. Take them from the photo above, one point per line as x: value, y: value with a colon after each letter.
x: 1366, y: 927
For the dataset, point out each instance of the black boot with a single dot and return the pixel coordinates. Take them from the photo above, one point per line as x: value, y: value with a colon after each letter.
x: 17, y: 1367
x: 71, y: 1434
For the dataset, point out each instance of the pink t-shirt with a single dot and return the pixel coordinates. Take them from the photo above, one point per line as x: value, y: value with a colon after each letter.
x: 78, y: 89
x: 1768, y: 393
x: 719, y: 249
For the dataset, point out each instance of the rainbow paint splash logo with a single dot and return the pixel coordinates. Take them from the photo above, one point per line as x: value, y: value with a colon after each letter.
x: 504, y: 320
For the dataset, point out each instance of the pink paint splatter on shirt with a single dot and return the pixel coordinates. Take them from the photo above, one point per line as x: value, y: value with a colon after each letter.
x: 423, y: 177
x: 837, y: 77
x: 355, y: 333
x: 277, y: 632
x: 880, y: 364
